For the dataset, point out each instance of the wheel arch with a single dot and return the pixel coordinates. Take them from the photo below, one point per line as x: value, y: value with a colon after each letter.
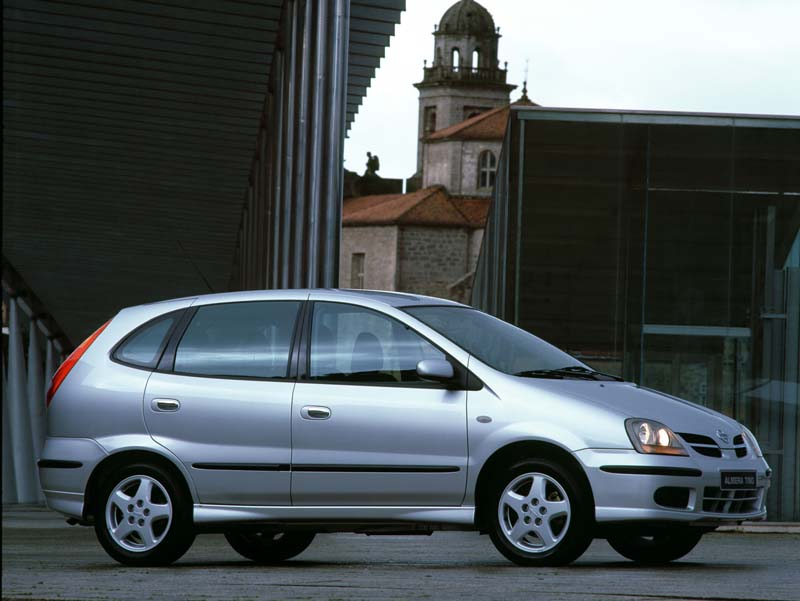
x: 125, y: 457
x: 516, y: 451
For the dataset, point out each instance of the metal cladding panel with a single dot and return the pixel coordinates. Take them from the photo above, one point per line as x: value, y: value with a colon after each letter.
x: 131, y: 134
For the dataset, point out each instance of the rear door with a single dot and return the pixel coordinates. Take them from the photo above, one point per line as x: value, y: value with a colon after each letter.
x: 366, y: 429
x: 222, y: 403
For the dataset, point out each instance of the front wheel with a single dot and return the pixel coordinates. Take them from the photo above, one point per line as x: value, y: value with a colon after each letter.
x: 660, y: 547
x: 268, y: 546
x: 541, y: 514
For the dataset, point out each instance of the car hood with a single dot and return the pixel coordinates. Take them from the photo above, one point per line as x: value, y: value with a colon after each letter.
x: 633, y: 400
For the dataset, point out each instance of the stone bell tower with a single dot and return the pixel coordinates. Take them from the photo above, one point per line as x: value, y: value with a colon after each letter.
x: 465, y: 77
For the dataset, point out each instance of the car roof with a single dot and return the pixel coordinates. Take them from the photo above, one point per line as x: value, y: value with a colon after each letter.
x: 394, y: 299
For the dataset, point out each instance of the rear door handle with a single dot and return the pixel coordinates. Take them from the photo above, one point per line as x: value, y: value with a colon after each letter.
x: 315, y: 412
x: 165, y: 404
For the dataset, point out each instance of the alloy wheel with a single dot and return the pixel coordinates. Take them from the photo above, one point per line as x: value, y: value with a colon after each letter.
x: 138, y: 513
x: 534, y: 512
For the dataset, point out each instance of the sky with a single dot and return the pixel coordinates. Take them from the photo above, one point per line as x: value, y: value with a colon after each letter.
x: 738, y: 56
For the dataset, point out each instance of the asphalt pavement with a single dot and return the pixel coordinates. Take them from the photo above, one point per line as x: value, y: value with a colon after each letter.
x: 43, y: 558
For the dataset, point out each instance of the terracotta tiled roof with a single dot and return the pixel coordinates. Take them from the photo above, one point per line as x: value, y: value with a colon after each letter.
x: 489, y: 125
x: 429, y: 206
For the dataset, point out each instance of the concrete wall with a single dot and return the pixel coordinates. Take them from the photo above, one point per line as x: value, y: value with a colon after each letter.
x: 454, y: 165
x: 470, y: 151
x: 451, y: 106
x: 379, y: 245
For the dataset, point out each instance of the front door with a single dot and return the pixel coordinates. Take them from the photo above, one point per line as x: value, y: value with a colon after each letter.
x: 224, y: 410
x: 366, y: 430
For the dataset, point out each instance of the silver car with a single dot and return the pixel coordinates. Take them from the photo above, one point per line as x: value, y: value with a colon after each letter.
x: 271, y: 416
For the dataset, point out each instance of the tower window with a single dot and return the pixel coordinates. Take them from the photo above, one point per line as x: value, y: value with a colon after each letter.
x: 476, y: 59
x: 456, y: 56
x: 430, y: 120
x: 487, y: 169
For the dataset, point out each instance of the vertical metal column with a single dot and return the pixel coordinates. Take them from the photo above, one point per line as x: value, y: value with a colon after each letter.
x: 21, y: 443
x: 338, y: 44
x: 9, y: 481
x: 35, y: 388
x: 36, y: 398
x: 296, y: 184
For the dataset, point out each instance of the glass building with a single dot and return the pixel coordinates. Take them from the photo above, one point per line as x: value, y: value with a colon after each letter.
x: 662, y: 247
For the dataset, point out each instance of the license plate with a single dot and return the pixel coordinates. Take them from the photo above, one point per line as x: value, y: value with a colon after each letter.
x: 738, y: 480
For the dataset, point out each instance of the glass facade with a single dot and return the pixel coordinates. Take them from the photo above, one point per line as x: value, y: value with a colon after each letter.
x: 663, y: 248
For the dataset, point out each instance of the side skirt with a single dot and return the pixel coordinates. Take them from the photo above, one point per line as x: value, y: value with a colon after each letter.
x: 336, y: 518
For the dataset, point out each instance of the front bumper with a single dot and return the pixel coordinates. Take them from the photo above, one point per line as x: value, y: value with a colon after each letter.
x: 623, y: 493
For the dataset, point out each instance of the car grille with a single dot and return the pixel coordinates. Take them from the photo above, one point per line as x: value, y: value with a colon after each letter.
x: 716, y: 500
x: 705, y: 445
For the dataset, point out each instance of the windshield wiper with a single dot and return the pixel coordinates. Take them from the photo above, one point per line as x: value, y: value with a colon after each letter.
x: 572, y: 371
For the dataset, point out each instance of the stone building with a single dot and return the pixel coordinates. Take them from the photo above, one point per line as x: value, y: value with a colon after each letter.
x: 427, y: 240
x: 424, y: 242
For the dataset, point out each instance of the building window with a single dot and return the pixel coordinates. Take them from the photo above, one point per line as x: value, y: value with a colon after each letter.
x: 476, y: 58
x: 456, y: 56
x: 430, y: 120
x: 487, y: 169
x: 357, y: 270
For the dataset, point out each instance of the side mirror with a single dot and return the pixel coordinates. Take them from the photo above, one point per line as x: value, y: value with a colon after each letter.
x: 435, y: 370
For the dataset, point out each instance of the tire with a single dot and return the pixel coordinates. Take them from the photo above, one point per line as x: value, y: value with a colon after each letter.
x: 660, y: 547
x: 158, y: 522
x: 556, y: 505
x: 268, y: 546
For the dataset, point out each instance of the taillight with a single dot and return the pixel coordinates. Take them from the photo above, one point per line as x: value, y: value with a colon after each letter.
x: 70, y: 362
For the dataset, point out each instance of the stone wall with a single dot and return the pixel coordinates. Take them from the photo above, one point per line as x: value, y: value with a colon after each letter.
x: 379, y: 245
x: 432, y: 258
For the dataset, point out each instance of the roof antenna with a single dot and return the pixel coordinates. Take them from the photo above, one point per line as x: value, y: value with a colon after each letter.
x: 525, y: 82
x: 196, y: 268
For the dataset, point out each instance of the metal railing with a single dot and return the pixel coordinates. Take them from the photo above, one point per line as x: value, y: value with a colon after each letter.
x: 452, y: 73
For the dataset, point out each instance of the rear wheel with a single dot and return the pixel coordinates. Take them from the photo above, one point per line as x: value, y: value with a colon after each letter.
x: 269, y: 546
x: 659, y: 547
x: 143, y: 517
x: 540, y: 514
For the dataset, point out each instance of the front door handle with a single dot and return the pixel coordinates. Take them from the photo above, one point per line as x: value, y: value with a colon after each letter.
x: 165, y: 404
x: 315, y: 412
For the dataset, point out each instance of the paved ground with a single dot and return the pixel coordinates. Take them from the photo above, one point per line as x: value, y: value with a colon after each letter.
x: 45, y: 559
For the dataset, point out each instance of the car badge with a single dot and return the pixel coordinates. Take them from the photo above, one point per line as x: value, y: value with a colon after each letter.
x: 722, y: 435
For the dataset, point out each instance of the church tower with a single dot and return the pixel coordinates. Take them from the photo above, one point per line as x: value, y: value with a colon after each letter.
x: 465, y: 77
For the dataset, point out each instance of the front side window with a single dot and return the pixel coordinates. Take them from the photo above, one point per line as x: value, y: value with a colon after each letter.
x: 497, y: 343
x: 143, y: 348
x: 358, y: 345
x: 487, y: 169
x: 249, y: 339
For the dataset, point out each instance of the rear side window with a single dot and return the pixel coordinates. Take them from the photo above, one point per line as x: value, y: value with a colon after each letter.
x: 250, y: 339
x: 143, y: 348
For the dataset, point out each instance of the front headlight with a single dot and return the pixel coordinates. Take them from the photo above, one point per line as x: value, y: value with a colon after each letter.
x: 652, y: 437
x: 752, y: 442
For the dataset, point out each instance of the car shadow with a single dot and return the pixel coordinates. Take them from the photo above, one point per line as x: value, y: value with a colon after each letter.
x: 685, y: 566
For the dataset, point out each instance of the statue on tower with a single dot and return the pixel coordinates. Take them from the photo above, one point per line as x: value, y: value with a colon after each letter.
x: 373, y: 165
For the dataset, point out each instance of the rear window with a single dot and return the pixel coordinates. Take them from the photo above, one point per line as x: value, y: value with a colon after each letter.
x: 143, y: 348
x: 250, y: 339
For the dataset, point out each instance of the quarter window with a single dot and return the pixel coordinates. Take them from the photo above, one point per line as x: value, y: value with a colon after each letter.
x: 355, y: 344
x: 239, y: 340
x: 143, y: 348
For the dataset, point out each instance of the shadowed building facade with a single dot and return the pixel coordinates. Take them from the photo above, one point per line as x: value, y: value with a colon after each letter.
x: 663, y: 247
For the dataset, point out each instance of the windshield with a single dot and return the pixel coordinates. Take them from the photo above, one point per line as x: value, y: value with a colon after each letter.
x: 495, y: 342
